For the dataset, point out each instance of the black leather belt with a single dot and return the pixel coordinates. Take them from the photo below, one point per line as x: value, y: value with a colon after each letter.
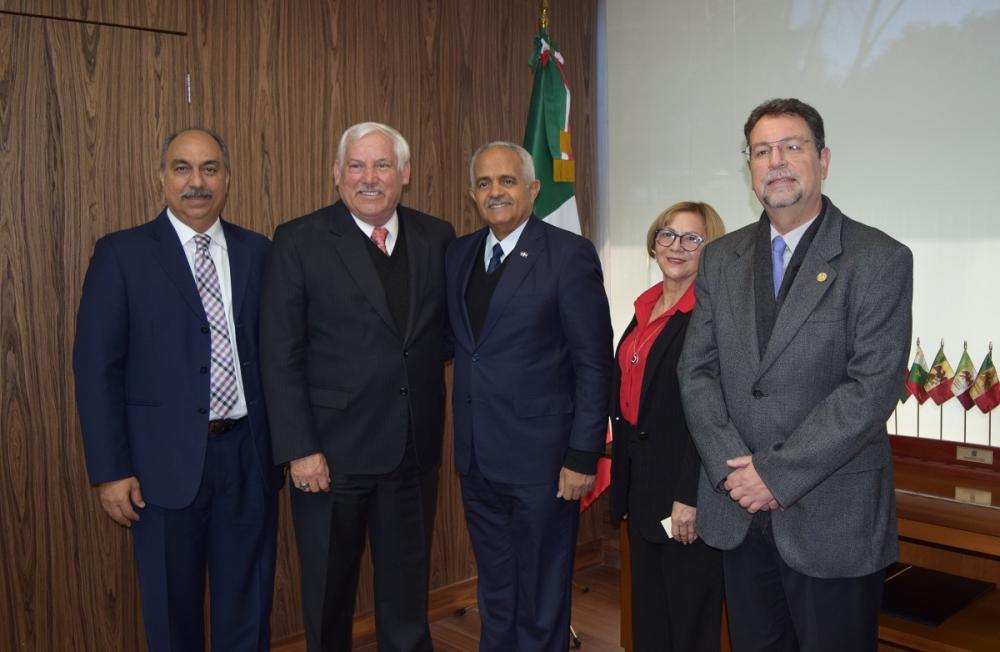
x: 219, y: 426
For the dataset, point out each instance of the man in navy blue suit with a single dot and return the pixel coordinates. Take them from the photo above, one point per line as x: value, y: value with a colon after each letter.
x: 532, y: 333
x: 169, y: 394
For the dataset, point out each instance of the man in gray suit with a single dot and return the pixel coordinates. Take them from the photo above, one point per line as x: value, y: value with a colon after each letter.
x: 790, y: 370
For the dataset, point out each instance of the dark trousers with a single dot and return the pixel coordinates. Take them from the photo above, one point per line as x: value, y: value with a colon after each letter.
x: 773, y: 607
x: 397, y: 509
x: 676, y: 595
x: 524, y: 539
x: 230, y: 530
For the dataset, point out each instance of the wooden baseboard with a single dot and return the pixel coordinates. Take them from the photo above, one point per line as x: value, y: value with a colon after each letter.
x: 441, y: 602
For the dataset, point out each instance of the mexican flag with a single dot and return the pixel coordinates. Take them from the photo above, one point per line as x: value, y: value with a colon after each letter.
x: 546, y: 136
x: 918, y: 376
x: 904, y: 392
x: 986, y: 390
x: 938, y: 383
x: 965, y: 377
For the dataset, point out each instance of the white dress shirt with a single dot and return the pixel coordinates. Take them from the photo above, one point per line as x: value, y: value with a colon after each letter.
x: 217, y: 250
x: 507, y: 244
x: 392, y: 226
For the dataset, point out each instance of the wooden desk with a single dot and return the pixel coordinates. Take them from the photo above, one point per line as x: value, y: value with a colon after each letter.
x: 938, y: 531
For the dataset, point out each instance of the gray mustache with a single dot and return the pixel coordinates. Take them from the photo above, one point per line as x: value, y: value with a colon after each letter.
x: 197, y: 193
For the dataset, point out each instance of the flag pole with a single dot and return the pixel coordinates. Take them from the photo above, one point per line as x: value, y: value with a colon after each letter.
x: 543, y: 16
x: 941, y: 410
x: 965, y: 413
x: 918, y: 401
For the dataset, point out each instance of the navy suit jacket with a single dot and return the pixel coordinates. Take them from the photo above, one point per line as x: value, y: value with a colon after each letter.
x: 141, y: 360
x: 537, y: 381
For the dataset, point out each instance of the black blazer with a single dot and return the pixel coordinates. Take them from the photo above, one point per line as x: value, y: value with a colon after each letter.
x: 655, y: 463
x: 339, y: 376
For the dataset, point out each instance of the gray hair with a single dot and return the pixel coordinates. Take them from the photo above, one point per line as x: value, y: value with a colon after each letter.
x: 355, y: 132
x: 527, y: 163
x: 216, y: 137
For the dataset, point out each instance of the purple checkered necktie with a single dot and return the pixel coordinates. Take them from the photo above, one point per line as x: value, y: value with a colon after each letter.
x: 223, y: 386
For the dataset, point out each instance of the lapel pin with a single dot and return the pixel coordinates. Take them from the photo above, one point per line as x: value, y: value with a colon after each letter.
x: 523, y: 254
x: 821, y: 277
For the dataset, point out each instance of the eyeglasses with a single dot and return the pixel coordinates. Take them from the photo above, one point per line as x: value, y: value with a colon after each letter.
x: 689, y: 241
x: 792, y: 147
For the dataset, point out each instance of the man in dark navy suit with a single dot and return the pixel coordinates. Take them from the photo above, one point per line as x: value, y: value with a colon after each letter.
x: 532, y: 333
x: 169, y: 394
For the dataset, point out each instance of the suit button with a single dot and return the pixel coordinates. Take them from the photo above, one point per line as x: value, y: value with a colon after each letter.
x: 468, y: 401
x: 202, y: 410
x: 406, y: 352
x: 757, y: 393
x: 204, y: 329
x: 403, y: 391
x: 475, y: 357
x: 618, y: 418
x: 643, y: 435
x: 204, y: 370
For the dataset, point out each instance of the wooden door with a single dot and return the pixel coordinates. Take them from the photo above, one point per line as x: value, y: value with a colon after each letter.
x: 83, y: 110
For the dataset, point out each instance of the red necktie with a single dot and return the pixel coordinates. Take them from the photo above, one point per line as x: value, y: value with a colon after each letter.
x: 378, y: 237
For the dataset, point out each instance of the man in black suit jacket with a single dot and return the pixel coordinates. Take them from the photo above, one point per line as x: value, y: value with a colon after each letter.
x: 352, y: 350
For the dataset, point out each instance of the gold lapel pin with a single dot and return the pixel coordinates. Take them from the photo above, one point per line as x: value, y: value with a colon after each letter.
x: 821, y: 277
x: 524, y: 254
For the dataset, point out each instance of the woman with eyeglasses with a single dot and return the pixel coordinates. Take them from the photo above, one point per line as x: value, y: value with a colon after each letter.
x: 676, y: 577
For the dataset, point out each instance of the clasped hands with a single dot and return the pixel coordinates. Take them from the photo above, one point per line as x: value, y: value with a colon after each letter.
x: 746, y: 487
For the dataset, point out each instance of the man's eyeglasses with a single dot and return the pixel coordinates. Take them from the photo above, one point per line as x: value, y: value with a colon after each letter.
x: 689, y: 241
x: 791, y: 147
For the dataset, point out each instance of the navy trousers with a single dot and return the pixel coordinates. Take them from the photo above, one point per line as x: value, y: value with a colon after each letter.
x: 524, y: 539
x: 230, y: 531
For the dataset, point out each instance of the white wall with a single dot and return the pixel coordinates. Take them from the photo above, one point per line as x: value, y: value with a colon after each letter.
x: 909, y: 93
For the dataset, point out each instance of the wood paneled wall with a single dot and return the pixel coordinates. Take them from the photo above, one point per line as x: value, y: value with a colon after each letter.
x: 83, y: 107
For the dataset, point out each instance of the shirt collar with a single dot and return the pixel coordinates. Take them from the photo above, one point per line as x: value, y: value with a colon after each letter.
x: 507, y: 244
x: 186, y: 233
x: 392, y: 226
x: 793, y: 237
x: 644, y: 303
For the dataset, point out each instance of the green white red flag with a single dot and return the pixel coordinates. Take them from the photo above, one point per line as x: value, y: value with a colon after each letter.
x: 965, y: 377
x: 546, y: 136
x: 939, y: 378
x: 986, y: 390
x: 918, y: 376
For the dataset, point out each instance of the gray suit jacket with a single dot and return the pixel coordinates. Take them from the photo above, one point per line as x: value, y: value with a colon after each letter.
x: 812, y: 407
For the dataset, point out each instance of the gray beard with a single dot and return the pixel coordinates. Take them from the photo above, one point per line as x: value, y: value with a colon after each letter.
x: 784, y: 201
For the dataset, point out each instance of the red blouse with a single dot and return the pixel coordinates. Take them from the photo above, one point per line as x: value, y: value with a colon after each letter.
x: 634, y: 348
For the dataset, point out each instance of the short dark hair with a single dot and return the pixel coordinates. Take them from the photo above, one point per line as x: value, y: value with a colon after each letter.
x: 216, y: 137
x: 789, y: 106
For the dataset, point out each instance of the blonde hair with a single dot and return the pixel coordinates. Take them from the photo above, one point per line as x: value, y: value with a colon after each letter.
x: 714, y: 227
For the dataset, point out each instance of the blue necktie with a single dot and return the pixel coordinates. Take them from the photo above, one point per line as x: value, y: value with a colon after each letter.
x: 495, y: 260
x: 777, y: 262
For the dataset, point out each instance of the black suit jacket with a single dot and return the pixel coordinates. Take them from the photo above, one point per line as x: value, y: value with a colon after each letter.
x: 656, y: 462
x: 339, y: 376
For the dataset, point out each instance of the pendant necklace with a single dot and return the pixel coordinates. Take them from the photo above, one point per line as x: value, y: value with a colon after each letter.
x: 639, y: 344
x: 635, y: 349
